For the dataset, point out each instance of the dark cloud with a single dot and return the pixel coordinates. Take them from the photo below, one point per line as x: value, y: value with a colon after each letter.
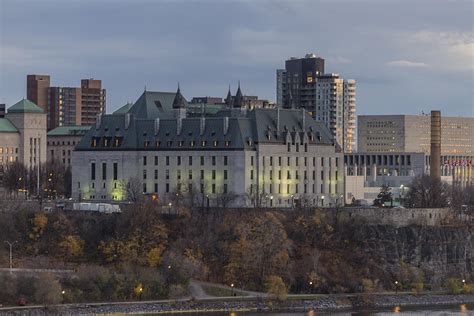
x: 407, y: 56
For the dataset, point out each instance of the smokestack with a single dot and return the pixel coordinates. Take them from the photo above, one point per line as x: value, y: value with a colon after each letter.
x: 435, y: 159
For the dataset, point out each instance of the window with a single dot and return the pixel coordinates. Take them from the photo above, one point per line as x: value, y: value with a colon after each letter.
x: 271, y: 174
x: 306, y: 147
x: 167, y: 174
x: 144, y: 174
x: 190, y: 187
x: 190, y: 160
x: 156, y: 160
x: 202, y: 160
x: 251, y: 174
x: 156, y: 187
x: 144, y: 160
x: 178, y: 160
x: 190, y: 174
x: 93, y: 171
x: 104, y: 171
x: 271, y: 161
x: 144, y: 187
x: 279, y: 174
x: 225, y: 160
x: 322, y: 175
x: 167, y: 160
x: 178, y: 174
x: 156, y: 174
x: 297, y: 161
x: 213, y: 160
x: 225, y: 174
x: 288, y: 160
x: 167, y: 188
x: 322, y: 161
x: 115, y: 167
x: 251, y: 160
x: 297, y: 147
x: 289, y: 147
x: 288, y: 175
x: 279, y: 161
x: 296, y: 175
x: 213, y: 174
x: 202, y: 174
x: 213, y: 188
x: 225, y: 188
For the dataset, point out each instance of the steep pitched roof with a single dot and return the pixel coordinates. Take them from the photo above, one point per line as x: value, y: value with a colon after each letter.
x: 239, y: 99
x: 179, y: 102
x: 69, y: 131
x: 25, y: 106
x: 124, y: 108
x: 228, y: 99
x: 6, y: 126
x: 153, y: 104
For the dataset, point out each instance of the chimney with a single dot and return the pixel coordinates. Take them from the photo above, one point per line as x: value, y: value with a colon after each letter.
x: 435, y: 154
x: 127, y: 120
x: 179, y: 126
x: 226, y: 125
x: 202, y: 125
x: 157, y: 125
x: 98, y: 120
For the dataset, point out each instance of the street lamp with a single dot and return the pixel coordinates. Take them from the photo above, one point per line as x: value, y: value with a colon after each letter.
x: 322, y: 200
x: 396, y: 286
x: 10, y: 244
x: 232, y: 286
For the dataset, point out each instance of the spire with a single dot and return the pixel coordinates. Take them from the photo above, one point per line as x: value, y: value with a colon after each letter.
x: 239, y: 98
x: 179, y: 101
x: 228, y: 99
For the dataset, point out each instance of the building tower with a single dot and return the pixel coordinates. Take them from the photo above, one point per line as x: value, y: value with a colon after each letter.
x: 239, y: 98
x: 37, y: 90
x: 228, y: 99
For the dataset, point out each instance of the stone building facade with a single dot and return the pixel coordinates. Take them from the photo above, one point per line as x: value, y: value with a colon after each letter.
x: 270, y: 157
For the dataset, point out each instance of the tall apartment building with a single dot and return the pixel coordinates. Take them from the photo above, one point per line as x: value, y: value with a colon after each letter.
x: 37, y: 90
x: 67, y: 106
x: 327, y: 97
x: 93, y: 100
x: 2, y: 110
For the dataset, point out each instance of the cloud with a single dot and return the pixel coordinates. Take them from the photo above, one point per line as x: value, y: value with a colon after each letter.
x: 407, y: 64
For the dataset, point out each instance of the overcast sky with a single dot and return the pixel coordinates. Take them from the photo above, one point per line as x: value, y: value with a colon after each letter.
x: 407, y: 56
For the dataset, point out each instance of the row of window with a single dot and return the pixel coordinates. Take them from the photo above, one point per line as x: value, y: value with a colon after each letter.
x: 190, y: 160
x: 289, y: 177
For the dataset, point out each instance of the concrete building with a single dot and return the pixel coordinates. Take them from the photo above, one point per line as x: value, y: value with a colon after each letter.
x: 92, y: 100
x: 280, y: 157
x: 412, y: 133
x: 37, y: 90
x: 23, y: 135
x: 61, y: 142
x: 67, y: 105
x: 365, y: 173
x: 327, y: 97
x: 2, y: 110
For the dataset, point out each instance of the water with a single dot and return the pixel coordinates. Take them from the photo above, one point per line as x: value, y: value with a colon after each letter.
x: 451, y: 310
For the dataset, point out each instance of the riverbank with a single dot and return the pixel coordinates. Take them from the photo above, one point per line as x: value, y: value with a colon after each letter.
x: 318, y: 303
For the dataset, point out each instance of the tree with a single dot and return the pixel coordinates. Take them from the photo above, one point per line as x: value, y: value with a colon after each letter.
x: 384, y: 196
x: 133, y: 189
x: 261, y: 250
x: 224, y: 199
x: 256, y: 195
x: 276, y: 287
x: 427, y: 192
x: 49, y: 289
x: 14, y: 177
x: 71, y: 247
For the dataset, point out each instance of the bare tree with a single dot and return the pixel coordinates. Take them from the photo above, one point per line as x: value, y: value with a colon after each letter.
x: 15, y: 177
x: 426, y: 191
x: 256, y: 195
x: 133, y: 189
x: 224, y: 199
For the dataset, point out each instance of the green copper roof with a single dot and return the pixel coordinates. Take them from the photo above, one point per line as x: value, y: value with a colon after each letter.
x: 25, y: 106
x: 123, y: 109
x: 69, y: 131
x: 7, y: 126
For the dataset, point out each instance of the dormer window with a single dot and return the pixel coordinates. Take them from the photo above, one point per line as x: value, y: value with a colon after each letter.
x: 94, y: 141
x: 169, y: 143
x: 180, y: 143
x: 192, y: 143
x: 215, y: 143
x: 158, y: 143
x: 118, y: 141
x: 146, y: 143
x: 203, y: 143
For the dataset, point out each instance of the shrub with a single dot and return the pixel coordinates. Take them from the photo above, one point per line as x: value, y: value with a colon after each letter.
x: 276, y: 287
x: 454, y: 286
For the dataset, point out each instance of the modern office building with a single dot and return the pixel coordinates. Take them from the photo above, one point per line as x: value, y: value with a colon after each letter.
x: 23, y: 135
x: 67, y: 105
x: 61, y: 142
x: 271, y: 157
x: 37, y: 90
x: 327, y: 97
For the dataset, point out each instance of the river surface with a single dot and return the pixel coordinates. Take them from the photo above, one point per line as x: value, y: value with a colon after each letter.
x: 451, y: 310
